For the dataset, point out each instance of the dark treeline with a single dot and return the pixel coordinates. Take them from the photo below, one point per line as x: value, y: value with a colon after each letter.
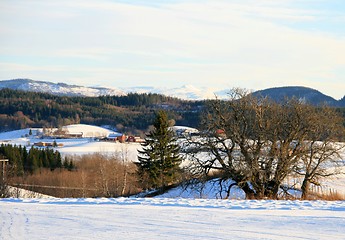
x: 20, y: 109
x: 24, y: 162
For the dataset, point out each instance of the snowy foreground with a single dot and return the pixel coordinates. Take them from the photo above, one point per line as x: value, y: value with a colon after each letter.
x: 164, y: 218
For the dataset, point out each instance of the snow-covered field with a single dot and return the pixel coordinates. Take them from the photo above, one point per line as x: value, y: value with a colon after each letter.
x: 162, y: 218
x: 74, y: 146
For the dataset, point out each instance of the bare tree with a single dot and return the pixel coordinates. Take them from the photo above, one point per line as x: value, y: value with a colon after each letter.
x: 254, y: 141
x: 322, y: 149
x: 124, y: 160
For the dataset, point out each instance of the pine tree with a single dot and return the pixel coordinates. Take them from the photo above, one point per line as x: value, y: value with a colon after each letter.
x: 159, y: 158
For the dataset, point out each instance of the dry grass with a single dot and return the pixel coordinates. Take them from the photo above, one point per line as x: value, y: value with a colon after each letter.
x: 331, y: 196
x: 95, y: 176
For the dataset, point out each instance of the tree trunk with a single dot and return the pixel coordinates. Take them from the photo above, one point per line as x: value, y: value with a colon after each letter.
x: 305, y: 187
x: 272, y: 189
x: 124, y: 182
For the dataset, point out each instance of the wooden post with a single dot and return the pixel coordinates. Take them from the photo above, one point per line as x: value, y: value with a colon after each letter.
x: 3, y: 161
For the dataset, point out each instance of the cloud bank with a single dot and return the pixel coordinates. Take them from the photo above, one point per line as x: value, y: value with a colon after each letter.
x: 208, y: 43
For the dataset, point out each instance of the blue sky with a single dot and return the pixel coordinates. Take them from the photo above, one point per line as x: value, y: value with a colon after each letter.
x: 218, y: 44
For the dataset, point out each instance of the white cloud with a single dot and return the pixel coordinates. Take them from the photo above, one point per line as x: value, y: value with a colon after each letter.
x: 226, y: 43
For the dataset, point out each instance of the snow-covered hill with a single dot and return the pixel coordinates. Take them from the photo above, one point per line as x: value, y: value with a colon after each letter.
x: 87, y: 130
x: 185, y: 92
x: 61, y: 89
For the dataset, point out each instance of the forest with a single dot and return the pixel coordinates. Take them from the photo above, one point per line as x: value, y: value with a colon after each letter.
x: 20, y: 109
x: 23, y: 161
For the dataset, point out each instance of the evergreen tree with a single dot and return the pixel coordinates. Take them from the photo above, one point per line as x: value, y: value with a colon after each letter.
x: 159, y: 159
x: 65, y: 163
x: 68, y: 164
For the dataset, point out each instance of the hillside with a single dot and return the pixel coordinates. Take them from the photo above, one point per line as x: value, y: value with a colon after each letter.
x: 307, y: 95
x: 22, y: 109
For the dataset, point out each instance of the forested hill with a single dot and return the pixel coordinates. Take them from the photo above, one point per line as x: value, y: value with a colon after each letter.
x: 21, y: 109
x: 308, y: 95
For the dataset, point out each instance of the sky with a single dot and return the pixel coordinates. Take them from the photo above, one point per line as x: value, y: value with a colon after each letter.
x: 216, y: 44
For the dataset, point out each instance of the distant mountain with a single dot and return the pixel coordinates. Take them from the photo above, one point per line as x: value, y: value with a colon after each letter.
x: 60, y: 89
x: 187, y: 92
x: 307, y: 95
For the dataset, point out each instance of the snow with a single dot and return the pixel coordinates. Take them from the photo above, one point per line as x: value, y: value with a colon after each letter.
x: 87, y: 130
x: 74, y: 146
x: 59, y: 88
x: 187, y: 92
x: 163, y: 218
x: 336, y: 182
x: 15, y: 134
x: 212, y: 189
x: 23, y: 193
x: 107, y: 148
x: 184, y: 128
